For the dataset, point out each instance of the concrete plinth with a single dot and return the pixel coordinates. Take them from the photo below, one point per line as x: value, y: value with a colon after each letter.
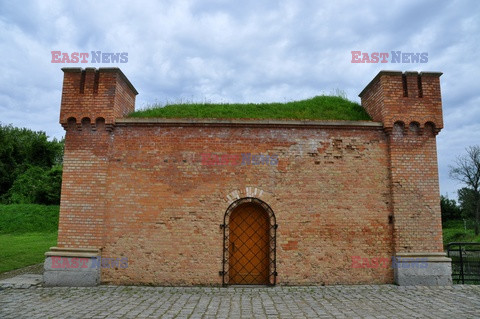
x: 72, y: 267
x: 422, y: 269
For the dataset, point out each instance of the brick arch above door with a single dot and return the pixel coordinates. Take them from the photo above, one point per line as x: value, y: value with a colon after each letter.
x: 249, y: 192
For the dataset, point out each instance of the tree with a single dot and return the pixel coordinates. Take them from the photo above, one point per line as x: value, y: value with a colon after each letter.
x: 466, y: 199
x: 24, y: 152
x: 450, y: 209
x: 467, y: 171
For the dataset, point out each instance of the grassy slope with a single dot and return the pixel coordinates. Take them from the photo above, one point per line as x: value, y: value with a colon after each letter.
x: 317, y: 108
x: 24, y: 218
x: 21, y: 250
x: 26, y: 233
x: 454, y: 231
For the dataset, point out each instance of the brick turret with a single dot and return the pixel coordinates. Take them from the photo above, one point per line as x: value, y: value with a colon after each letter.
x: 404, y: 98
x: 410, y: 108
x: 95, y: 96
x: 92, y: 100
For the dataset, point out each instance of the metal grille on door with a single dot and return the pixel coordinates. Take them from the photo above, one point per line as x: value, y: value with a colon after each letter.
x: 249, y: 244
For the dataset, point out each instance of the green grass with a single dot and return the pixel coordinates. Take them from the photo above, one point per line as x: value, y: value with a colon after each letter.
x: 26, y: 233
x: 454, y: 231
x: 316, y: 108
x: 21, y: 250
x: 22, y: 218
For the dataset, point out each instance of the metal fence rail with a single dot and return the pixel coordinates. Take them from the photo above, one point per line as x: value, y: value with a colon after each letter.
x: 465, y: 262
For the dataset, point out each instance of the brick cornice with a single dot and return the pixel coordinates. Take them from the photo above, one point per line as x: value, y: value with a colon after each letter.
x: 248, y: 123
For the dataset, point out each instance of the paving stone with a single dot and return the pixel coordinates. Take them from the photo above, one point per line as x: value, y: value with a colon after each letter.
x: 384, y: 301
x: 22, y: 281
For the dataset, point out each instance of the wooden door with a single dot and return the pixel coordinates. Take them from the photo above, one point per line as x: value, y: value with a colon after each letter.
x: 249, y: 245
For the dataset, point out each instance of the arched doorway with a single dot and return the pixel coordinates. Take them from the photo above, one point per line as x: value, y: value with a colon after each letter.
x: 249, y: 243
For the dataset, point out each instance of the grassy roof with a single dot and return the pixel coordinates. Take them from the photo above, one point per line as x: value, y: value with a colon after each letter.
x: 316, y: 108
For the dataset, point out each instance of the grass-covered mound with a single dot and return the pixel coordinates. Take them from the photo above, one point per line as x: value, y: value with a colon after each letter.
x: 316, y: 108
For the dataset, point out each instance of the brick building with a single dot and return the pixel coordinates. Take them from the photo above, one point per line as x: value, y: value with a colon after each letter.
x: 211, y: 201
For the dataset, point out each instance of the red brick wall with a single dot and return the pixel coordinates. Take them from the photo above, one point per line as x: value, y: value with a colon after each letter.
x: 418, y: 226
x: 329, y: 193
x: 82, y: 206
x: 137, y: 188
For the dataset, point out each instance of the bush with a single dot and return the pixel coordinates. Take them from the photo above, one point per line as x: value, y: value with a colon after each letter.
x: 36, y: 186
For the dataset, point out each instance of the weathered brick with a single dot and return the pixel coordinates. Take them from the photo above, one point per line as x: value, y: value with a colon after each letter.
x: 138, y: 189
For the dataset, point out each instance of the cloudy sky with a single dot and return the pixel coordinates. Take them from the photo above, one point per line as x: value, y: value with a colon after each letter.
x: 242, y: 51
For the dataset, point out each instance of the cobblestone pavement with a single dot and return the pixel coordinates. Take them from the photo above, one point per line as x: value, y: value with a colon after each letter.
x: 383, y: 301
